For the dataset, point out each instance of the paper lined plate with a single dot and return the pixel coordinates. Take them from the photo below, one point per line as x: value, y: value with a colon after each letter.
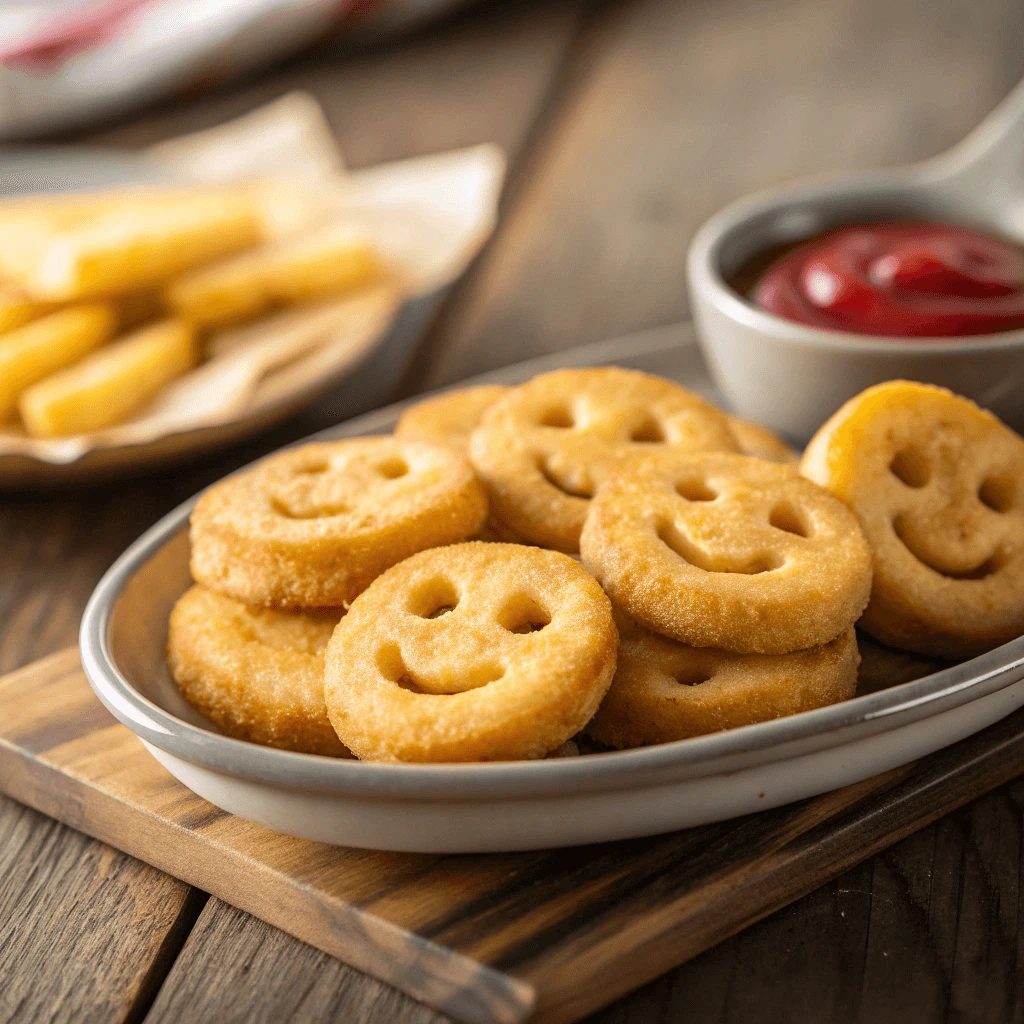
x: 426, y: 217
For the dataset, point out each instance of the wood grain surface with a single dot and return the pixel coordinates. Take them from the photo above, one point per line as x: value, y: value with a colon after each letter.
x: 627, y: 123
x: 308, y: 985
x: 548, y: 936
x: 84, y: 930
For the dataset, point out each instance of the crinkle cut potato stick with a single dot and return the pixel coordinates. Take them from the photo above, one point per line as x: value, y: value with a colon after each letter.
x: 17, y: 309
x: 106, y: 245
x: 40, y: 348
x: 108, y: 386
x: 315, y: 265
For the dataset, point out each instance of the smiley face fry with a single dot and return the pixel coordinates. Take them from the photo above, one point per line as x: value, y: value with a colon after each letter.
x: 449, y: 418
x: 727, y: 551
x: 665, y: 691
x: 938, y: 485
x: 474, y: 652
x: 544, y: 449
x: 258, y: 674
x: 314, y: 526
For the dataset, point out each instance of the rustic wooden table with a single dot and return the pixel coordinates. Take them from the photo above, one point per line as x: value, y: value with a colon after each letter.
x: 626, y: 124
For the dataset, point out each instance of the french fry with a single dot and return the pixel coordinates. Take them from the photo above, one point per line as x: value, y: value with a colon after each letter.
x: 287, y: 208
x: 17, y: 309
x: 120, y: 243
x: 38, y: 349
x: 108, y: 386
x: 327, y: 262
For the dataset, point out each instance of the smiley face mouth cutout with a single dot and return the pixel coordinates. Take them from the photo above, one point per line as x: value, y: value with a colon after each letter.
x: 987, y: 567
x: 571, y: 488
x: 648, y: 431
x: 392, y: 667
x: 317, y: 511
x: 681, y: 545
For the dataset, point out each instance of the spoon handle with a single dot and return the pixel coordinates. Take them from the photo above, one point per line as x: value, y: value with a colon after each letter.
x: 991, y: 157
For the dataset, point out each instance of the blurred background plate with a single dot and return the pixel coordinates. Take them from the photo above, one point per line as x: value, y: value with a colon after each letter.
x: 365, y: 380
x: 63, y: 169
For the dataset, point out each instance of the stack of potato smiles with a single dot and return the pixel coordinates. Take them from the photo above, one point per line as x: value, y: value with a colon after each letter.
x: 598, y: 558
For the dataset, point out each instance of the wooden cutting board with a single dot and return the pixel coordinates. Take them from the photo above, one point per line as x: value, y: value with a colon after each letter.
x: 494, y: 939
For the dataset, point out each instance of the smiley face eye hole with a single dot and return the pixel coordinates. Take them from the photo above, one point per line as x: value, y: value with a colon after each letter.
x: 910, y: 466
x: 393, y: 468
x: 648, y: 432
x: 442, y: 610
x: 523, y: 614
x: 695, y: 490
x: 785, y: 517
x: 558, y: 416
x: 998, y: 493
x: 692, y: 676
x: 390, y: 663
x: 434, y: 599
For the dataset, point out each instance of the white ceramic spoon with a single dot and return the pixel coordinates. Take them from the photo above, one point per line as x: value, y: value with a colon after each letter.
x: 792, y: 377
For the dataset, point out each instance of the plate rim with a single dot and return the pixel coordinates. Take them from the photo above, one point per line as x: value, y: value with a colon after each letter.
x: 643, y: 767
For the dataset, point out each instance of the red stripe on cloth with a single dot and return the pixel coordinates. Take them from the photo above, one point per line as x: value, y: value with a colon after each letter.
x: 69, y: 34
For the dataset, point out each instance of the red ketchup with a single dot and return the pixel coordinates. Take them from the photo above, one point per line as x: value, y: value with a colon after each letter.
x: 899, y: 280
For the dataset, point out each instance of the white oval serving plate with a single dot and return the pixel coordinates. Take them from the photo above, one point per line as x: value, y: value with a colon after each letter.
x: 514, y: 805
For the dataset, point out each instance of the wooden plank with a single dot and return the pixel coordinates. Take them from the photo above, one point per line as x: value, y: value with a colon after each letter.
x: 550, y: 935
x: 235, y: 967
x: 679, y: 108
x: 86, y: 933
x: 929, y: 930
x: 57, y: 547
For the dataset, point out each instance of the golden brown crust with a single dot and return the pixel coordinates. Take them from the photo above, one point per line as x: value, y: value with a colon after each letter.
x: 727, y: 551
x: 760, y: 442
x: 313, y: 526
x: 545, y: 447
x: 474, y: 652
x: 257, y: 674
x: 938, y: 485
x: 665, y: 691
x: 449, y: 418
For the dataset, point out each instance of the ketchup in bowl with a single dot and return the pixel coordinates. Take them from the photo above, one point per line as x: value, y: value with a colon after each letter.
x: 899, y: 280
